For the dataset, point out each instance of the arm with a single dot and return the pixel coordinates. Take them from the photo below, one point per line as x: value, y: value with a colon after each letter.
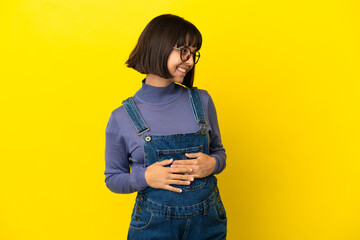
x: 117, y: 170
x: 217, y: 150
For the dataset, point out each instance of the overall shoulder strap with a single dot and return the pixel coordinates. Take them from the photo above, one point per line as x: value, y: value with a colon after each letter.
x: 135, y: 116
x: 197, y: 105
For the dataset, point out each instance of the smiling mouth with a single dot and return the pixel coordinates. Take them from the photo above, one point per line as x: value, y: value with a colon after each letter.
x: 181, y: 70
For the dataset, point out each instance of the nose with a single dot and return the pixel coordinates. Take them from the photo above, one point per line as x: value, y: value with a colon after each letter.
x: 191, y: 60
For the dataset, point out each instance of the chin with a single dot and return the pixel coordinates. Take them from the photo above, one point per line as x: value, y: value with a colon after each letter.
x: 179, y: 80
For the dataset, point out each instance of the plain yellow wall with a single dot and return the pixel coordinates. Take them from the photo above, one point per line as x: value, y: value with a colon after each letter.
x: 284, y: 76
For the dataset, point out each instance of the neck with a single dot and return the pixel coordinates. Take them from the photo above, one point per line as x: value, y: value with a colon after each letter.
x: 158, y: 95
x: 157, y: 81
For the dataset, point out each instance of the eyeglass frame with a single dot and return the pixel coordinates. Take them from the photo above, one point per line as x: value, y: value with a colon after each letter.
x: 191, y: 53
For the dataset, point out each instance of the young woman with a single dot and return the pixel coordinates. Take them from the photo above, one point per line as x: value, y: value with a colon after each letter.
x: 169, y: 135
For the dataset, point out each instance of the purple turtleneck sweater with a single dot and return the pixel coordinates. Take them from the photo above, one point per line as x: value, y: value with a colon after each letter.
x: 166, y: 110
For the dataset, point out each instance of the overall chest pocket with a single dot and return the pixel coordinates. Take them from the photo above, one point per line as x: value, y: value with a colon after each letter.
x: 179, y: 154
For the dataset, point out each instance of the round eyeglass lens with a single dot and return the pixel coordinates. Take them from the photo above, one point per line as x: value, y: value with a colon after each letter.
x: 186, y: 54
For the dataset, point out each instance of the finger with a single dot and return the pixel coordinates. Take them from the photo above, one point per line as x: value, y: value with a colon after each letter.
x: 165, y: 162
x: 183, y: 167
x: 193, y: 175
x: 172, y: 189
x: 193, y: 155
x: 179, y: 182
x: 186, y: 177
x: 183, y: 162
x: 180, y: 170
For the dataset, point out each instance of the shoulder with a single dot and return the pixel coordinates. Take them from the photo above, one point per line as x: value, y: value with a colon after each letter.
x: 120, y: 111
x: 205, y: 96
x: 118, y: 120
x: 204, y: 93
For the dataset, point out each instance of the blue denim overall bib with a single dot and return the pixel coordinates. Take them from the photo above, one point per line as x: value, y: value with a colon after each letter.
x: 197, y: 212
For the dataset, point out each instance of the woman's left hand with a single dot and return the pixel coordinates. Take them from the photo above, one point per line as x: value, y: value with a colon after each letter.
x: 202, y: 164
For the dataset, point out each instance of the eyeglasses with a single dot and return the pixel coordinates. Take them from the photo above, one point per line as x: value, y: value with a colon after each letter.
x: 186, y: 53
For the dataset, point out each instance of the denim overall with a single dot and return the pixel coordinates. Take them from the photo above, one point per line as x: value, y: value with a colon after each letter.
x: 197, y: 212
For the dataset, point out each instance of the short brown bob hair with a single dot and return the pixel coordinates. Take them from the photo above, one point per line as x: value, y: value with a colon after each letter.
x: 156, y: 42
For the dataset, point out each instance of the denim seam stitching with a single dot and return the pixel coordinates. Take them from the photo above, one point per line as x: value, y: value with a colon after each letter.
x: 197, y: 106
x: 179, y: 150
x: 144, y: 227
x: 218, y: 215
x: 186, y: 228
x: 211, y: 198
x: 198, y: 132
x: 135, y: 116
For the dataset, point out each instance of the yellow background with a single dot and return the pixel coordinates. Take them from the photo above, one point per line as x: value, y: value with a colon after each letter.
x: 284, y: 76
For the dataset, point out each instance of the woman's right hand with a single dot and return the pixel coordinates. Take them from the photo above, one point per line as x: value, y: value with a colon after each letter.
x: 157, y: 175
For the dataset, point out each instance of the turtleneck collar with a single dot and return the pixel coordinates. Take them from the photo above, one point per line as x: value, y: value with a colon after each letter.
x: 158, y: 95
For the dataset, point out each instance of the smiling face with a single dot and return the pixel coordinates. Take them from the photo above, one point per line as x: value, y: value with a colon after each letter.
x: 154, y: 54
x: 177, y: 67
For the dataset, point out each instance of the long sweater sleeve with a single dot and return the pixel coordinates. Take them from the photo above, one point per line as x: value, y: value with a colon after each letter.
x: 216, y: 147
x: 119, y: 179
